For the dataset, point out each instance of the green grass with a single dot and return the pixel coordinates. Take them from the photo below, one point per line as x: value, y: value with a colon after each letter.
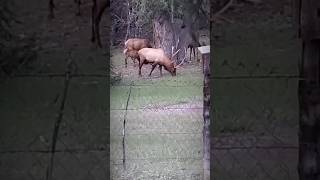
x: 164, y: 96
x: 163, y: 122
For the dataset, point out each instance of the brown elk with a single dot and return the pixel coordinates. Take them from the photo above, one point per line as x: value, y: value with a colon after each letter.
x: 157, y: 57
x: 132, y: 46
x: 137, y: 44
x: 98, y: 7
x: 133, y: 54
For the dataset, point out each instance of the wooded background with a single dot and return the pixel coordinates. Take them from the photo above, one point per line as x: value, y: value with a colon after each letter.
x: 134, y: 18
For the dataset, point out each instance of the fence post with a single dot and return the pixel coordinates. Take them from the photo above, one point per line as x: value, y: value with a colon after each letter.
x: 205, y: 53
x: 309, y: 89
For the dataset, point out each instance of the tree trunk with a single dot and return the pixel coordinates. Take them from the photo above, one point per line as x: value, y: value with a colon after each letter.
x: 128, y: 22
x: 172, y: 11
x: 164, y: 35
x: 167, y: 35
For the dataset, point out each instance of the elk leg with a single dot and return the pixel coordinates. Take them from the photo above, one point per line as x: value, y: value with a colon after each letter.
x: 160, y: 68
x: 194, y: 53
x: 153, y: 66
x: 134, y: 61
x: 93, y: 14
x: 97, y: 23
x: 190, y: 54
x: 78, y: 3
x: 125, y: 60
x: 140, y: 66
x: 97, y: 31
x: 51, y: 7
x: 138, y: 60
x: 198, y: 57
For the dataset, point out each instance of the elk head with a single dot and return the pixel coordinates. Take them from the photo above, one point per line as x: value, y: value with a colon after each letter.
x: 174, y: 65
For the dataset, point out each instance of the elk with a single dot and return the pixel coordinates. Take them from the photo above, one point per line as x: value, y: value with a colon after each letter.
x: 157, y: 57
x: 192, y: 47
x: 132, y: 46
x: 188, y: 39
x: 133, y: 54
x: 52, y: 6
x: 137, y: 44
x: 98, y: 7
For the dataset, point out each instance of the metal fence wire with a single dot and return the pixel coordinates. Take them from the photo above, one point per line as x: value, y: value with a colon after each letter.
x: 255, y: 126
x: 255, y: 74
x: 54, y: 126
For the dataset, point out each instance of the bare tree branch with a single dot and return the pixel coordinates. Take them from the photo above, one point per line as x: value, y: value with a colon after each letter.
x: 226, y: 7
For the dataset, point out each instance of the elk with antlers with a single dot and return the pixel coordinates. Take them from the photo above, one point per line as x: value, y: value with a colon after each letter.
x: 157, y: 57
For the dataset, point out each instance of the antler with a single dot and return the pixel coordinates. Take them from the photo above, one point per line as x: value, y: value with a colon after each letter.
x: 175, y: 53
x: 185, y: 56
x: 177, y: 43
x: 172, y: 50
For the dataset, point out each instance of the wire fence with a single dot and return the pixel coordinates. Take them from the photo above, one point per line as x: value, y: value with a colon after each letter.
x: 255, y: 127
x: 50, y: 131
x: 263, y: 147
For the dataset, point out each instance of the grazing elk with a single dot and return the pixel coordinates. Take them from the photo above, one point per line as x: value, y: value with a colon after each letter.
x: 157, y: 57
x: 132, y: 46
x: 133, y: 54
